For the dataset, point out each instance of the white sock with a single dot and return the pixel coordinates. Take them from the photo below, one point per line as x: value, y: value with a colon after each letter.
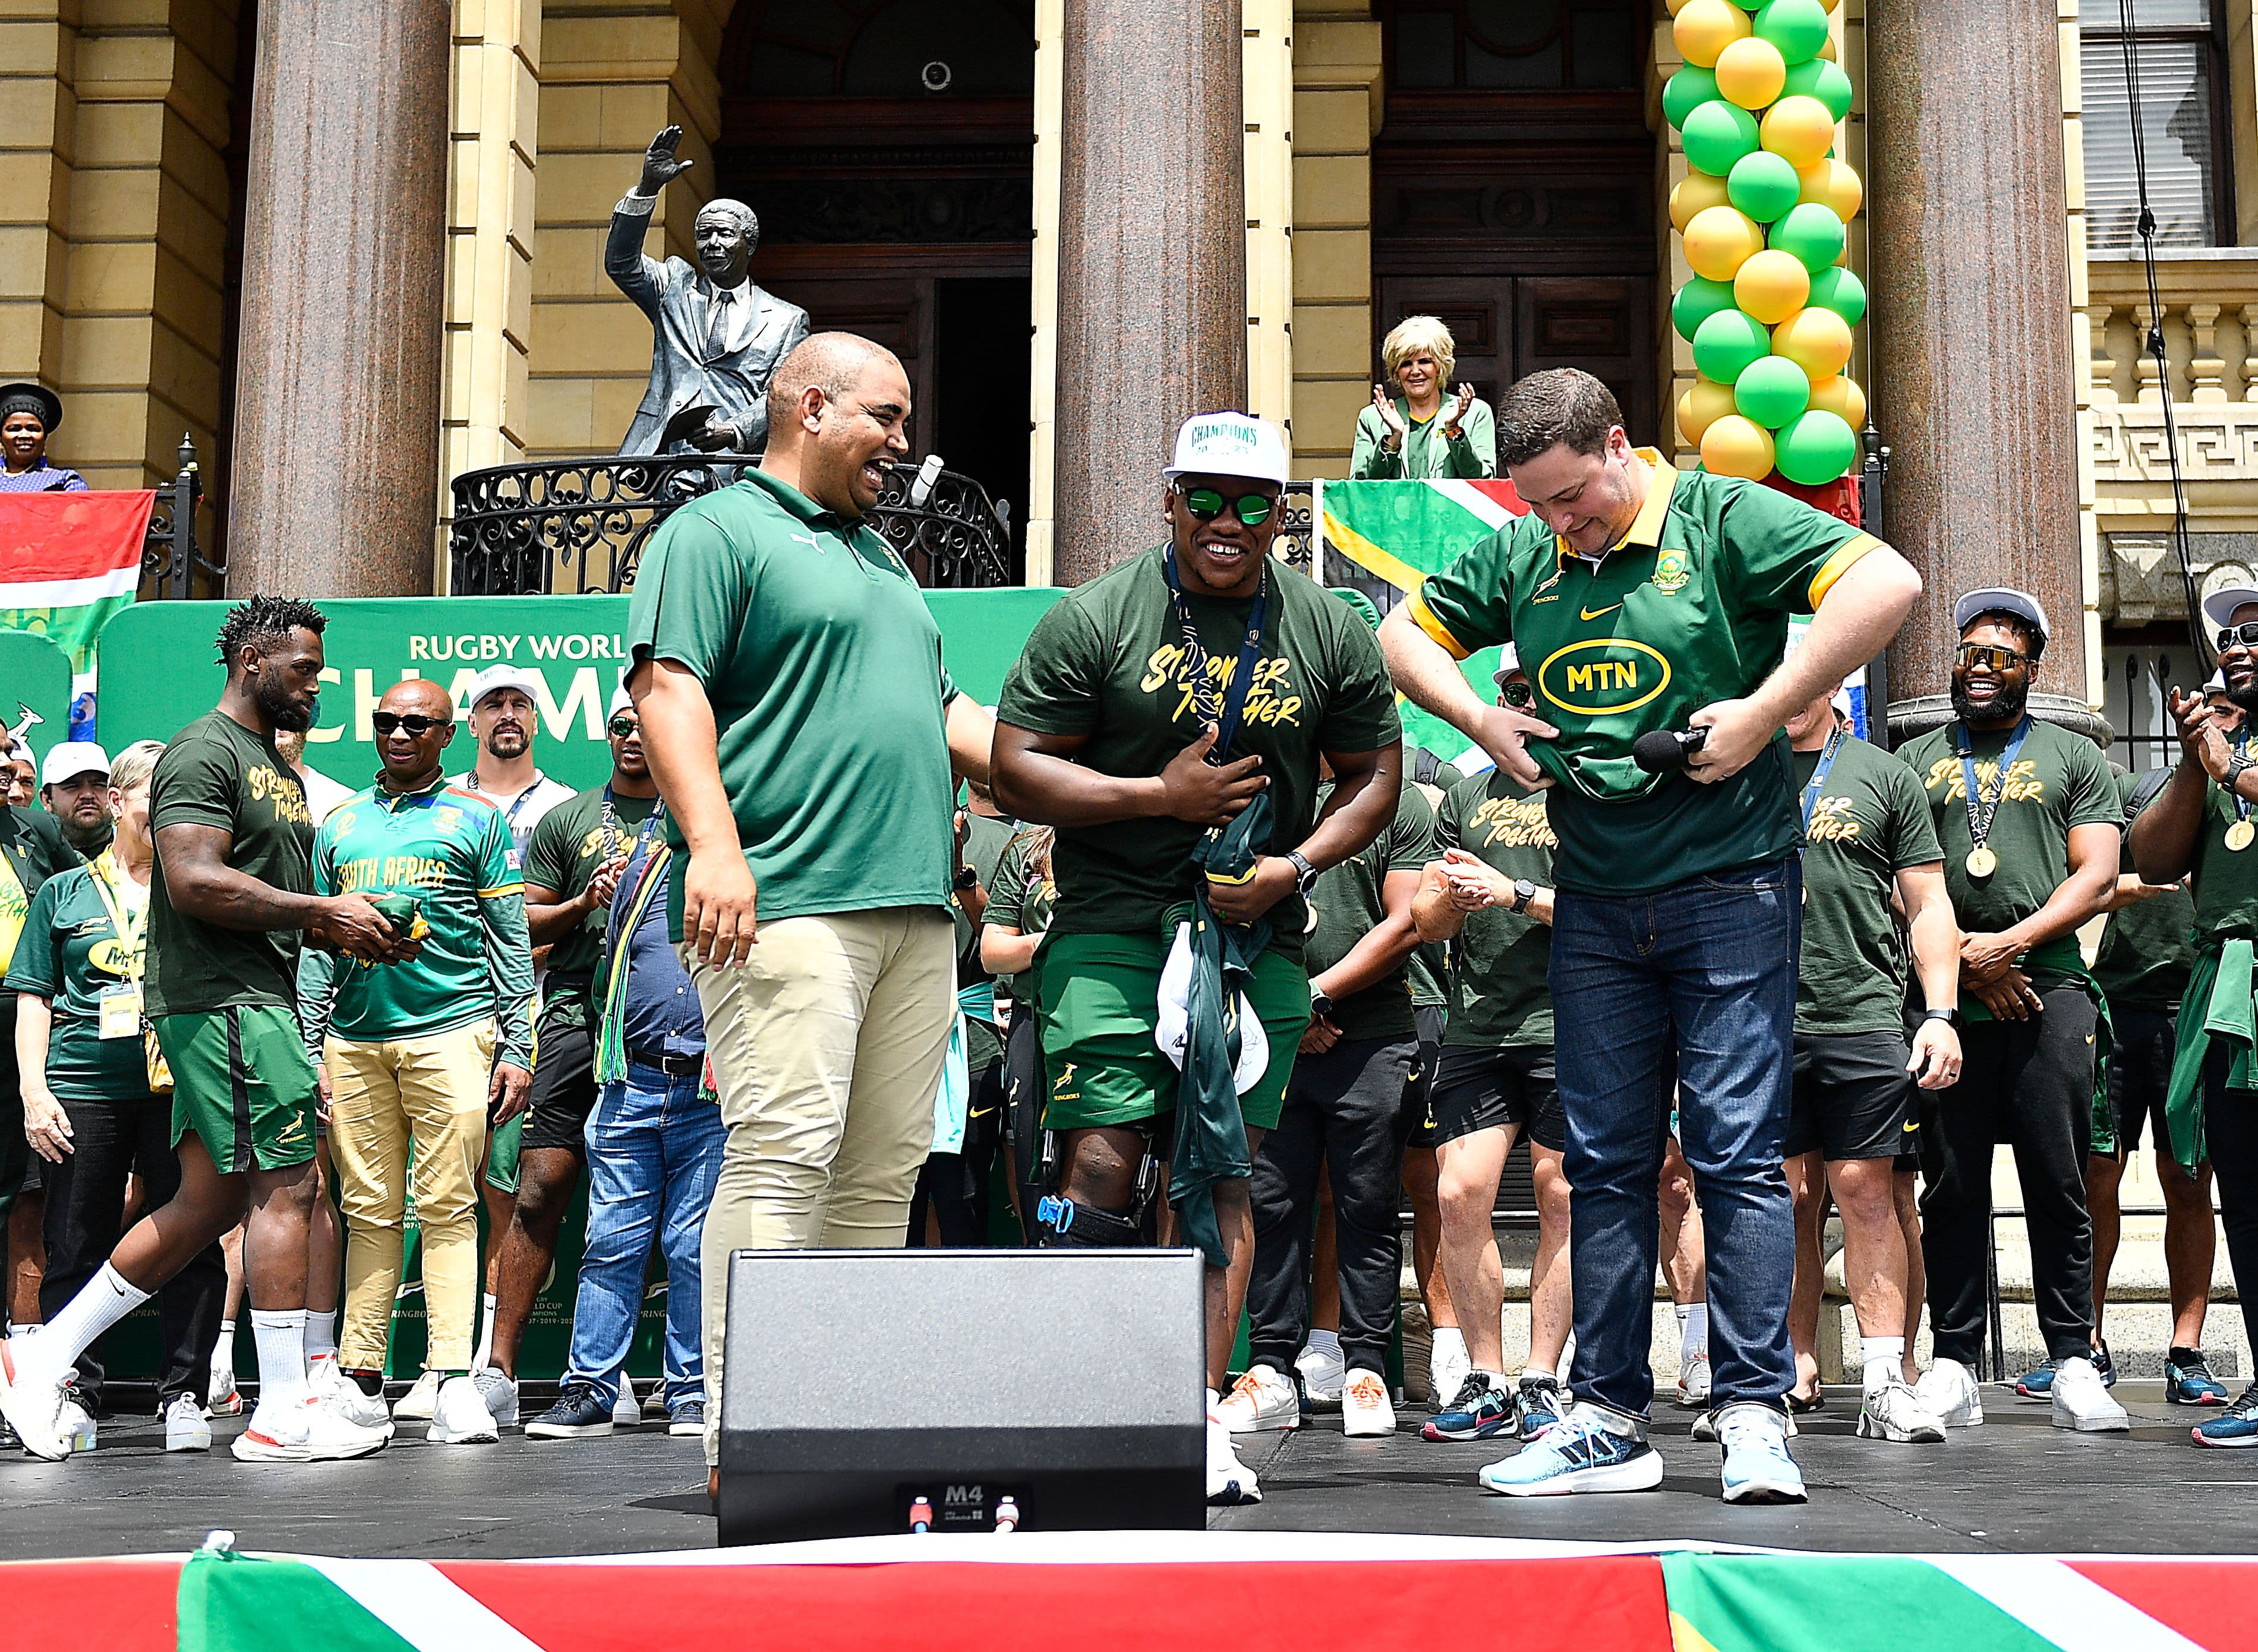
x: 484, y: 1357
x: 1884, y: 1358
x: 223, y: 1350
x: 107, y: 1298
x: 1448, y: 1337
x: 1693, y: 1331
x: 1213, y: 1400
x: 281, y: 1338
x: 320, y: 1335
x: 1326, y: 1342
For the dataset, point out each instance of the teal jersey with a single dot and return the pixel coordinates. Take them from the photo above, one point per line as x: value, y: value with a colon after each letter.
x: 453, y: 851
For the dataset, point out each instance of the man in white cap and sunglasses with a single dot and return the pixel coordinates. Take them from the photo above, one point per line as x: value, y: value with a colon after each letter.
x: 2026, y: 814
x: 1152, y: 707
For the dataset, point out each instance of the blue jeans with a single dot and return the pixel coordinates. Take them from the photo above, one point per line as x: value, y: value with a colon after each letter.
x: 1692, y: 987
x: 654, y: 1152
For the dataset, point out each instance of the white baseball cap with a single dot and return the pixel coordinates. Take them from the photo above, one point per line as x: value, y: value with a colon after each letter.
x: 622, y: 701
x: 71, y: 759
x: 2003, y: 600
x: 500, y: 676
x: 2218, y: 607
x: 1509, y: 662
x: 1230, y: 444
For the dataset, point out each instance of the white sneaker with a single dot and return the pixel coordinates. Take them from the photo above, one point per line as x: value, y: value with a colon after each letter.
x: 627, y: 1411
x: 31, y: 1397
x: 1264, y: 1398
x: 342, y: 1394
x: 416, y: 1405
x: 2082, y: 1403
x: 308, y: 1431
x: 185, y: 1428
x: 1448, y: 1366
x: 1229, y: 1481
x: 1322, y: 1376
x: 1694, y: 1380
x: 76, y: 1423
x: 226, y: 1398
x: 1366, y: 1413
x: 461, y: 1417
x: 1948, y: 1392
x: 1894, y: 1412
x: 499, y: 1392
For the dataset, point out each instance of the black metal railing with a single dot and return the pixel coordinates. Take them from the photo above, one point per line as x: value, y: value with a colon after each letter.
x: 582, y: 524
x: 1297, y: 537
x: 171, y: 564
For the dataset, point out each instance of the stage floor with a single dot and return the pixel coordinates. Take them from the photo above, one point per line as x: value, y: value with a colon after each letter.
x: 2015, y: 1485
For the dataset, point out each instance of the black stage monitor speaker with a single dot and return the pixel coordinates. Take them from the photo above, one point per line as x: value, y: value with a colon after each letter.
x: 867, y: 1391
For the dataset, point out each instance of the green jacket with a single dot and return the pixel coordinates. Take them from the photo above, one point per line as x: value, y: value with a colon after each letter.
x: 1424, y: 453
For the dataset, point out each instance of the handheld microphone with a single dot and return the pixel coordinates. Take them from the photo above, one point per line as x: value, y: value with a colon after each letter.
x: 928, y: 475
x: 1661, y: 750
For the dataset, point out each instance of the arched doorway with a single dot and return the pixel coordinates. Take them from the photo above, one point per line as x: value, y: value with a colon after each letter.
x: 1513, y: 189
x: 888, y: 148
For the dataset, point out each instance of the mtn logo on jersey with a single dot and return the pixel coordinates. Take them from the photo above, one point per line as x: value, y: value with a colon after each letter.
x: 1603, y: 676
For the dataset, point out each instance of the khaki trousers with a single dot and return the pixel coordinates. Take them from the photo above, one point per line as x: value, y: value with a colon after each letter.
x: 430, y: 1093
x: 828, y: 1047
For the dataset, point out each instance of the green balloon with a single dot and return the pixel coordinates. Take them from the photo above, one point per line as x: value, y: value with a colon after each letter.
x: 1718, y: 134
x: 1819, y: 79
x: 1812, y: 232
x: 1687, y: 90
x: 1815, y: 448
x: 1798, y: 28
x: 1772, y: 392
x: 1726, y: 345
x: 1697, y: 301
x: 1763, y: 185
x: 1835, y: 288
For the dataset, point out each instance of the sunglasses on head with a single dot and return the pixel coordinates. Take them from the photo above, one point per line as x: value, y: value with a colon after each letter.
x: 622, y: 726
x: 2239, y: 636
x: 1991, y: 656
x: 1518, y: 694
x: 385, y: 722
x: 1208, y: 503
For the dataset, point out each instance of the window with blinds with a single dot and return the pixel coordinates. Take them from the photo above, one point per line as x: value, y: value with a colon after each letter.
x: 2181, y: 123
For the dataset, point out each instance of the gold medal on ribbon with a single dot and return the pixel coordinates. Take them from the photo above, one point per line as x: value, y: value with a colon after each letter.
x: 2239, y: 834
x: 1981, y: 861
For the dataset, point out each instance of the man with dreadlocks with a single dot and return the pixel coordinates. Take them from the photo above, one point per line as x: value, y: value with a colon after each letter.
x: 230, y: 893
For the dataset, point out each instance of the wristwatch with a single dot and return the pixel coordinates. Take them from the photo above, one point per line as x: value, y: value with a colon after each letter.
x: 1305, y: 876
x: 1950, y: 1017
x: 1524, y: 892
x: 967, y: 878
x: 1321, y: 1004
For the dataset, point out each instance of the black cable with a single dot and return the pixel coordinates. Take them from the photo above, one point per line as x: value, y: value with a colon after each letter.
x: 2154, y: 344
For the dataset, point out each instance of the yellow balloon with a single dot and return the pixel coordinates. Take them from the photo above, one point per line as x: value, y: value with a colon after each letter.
x: 1720, y: 240
x: 1677, y: 6
x: 1771, y: 286
x: 1701, y: 407
x: 1841, y: 396
x: 1705, y: 28
x: 1697, y: 194
x: 1736, y: 446
x: 1800, y: 129
x: 1816, y: 340
x: 1833, y: 183
x: 1752, y: 72
x: 1827, y: 46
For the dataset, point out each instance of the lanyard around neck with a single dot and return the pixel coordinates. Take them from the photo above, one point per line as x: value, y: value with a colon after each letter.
x: 1225, y: 716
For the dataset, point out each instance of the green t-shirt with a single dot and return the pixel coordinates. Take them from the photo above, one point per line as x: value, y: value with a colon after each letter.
x: 1500, y: 992
x: 567, y: 846
x: 1869, y: 823
x: 2060, y: 780
x: 1430, y: 965
x: 217, y: 773
x: 2225, y: 881
x: 1021, y: 898
x: 2147, y: 948
x: 68, y: 954
x: 986, y: 841
x: 1108, y: 662
x: 451, y: 850
x: 1691, y: 608
x: 823, y: 667
x: 1350, y: 903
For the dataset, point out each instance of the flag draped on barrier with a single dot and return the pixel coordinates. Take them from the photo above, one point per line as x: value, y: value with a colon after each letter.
x: 67, y: 563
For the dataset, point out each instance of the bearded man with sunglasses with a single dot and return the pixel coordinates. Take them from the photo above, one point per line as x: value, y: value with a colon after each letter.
x: 2027, y: 816
x: 1151, y: 706
x: 421, y: 1057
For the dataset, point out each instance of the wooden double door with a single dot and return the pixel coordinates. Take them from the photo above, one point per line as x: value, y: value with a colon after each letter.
x: 1509, y: 326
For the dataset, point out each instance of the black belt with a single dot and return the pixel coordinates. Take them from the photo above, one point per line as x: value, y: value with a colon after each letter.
x: 673, y: 1065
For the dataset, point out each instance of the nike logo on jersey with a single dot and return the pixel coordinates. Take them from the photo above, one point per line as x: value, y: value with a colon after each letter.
x: 1593, y: 614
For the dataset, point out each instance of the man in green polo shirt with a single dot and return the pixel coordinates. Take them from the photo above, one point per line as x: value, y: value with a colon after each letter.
x: 1108, y: 728
x: 1644, y: 602
x: 798, y: 722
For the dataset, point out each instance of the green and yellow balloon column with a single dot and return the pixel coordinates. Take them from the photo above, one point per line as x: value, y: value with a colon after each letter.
x: 1769, y: 307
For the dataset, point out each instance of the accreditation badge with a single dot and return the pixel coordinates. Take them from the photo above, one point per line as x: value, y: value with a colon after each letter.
x: 120, y: 1010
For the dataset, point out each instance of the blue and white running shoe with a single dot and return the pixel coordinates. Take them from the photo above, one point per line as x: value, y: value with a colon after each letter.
x: 1576, y: 1454
x: 1542, y: 1403
x: 2192, y: 1385
x: 1481, y: 1410
x: 2236, y: 1426
x: 1758, y: 1468
x: 2037, y: 1383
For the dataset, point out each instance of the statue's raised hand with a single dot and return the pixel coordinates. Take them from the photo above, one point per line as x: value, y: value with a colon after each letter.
x: 659, y: 166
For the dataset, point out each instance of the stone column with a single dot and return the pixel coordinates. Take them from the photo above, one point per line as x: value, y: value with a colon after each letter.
x: 336, y: 442
x: 1152, y: 261
x: 1972, y: 330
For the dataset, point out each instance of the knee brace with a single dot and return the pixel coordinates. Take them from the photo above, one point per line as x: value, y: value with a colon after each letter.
x: 1061, y: 1225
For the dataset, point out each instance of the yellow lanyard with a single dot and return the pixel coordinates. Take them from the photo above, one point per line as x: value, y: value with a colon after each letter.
x: 105, y: 874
